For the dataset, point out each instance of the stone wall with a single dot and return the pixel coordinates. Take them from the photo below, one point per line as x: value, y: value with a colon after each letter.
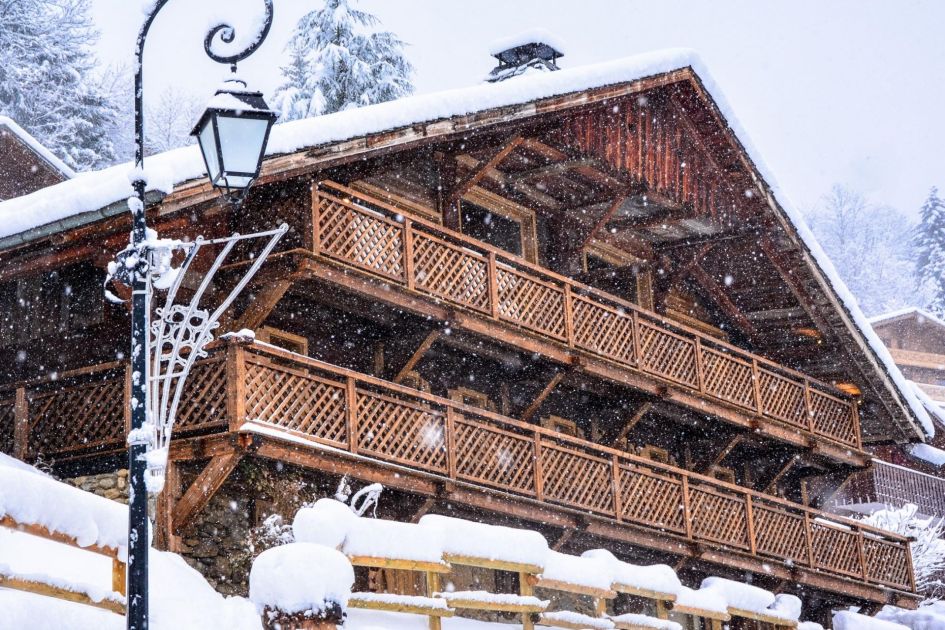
x: 111, y: 485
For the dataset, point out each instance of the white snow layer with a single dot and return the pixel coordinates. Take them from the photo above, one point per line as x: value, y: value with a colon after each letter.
x: 577, y: 619
x: 581, y: 570
x: 93, y: 191
x: 36, y: 146
x: 928, y: 453
x: 658, y: 577
x: 739, y: 595
x: 911, y: 310
x: 300, y: 577
x: 645, y: 621
x: 530, y: 36
x: 491, y: 542
x: 847, y: 620
x: 928, y: 617
x: 32, y: 498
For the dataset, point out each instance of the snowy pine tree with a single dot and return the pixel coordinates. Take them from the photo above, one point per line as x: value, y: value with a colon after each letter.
x: 47, y: 81
x: 338, y: 60
x: 929, y: 243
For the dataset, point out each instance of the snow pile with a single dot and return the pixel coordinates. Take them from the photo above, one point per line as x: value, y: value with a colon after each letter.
x: 325, y: 523
x: 738, y: 595
x: 809, y: 625
x: 703, y: 599
x: 32, y: 498
x: 929, y: 617
x: 581, y: 570
x: 418, y: 601
x: 480, y: 540
x: 928, y: 453
x: 847, y: 620
x: 786, y: 606
x: 644, y: 621
x: 485, y: 597
x: 531, y: 36
x: 574, y: 619
x: 300, y: 578
x: 658, y: 577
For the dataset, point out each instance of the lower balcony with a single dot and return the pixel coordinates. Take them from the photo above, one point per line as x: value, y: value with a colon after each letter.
x: 886, y: 484
x: 348, y: 416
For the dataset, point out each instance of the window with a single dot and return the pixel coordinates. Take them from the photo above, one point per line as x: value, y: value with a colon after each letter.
x: 285, y: 340
x: 562, y: 425
x: 472, y: 398
x: 615, y: 271
x: 499, y: 222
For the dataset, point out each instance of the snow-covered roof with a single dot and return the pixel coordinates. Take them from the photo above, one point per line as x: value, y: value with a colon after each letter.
x: 928, y: 453
x: 37, y: 147
x: 93, y: 191
x: 919, y: 313
x: 530, y: 36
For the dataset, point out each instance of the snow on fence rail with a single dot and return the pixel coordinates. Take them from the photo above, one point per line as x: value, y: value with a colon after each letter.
x: 34, y: 504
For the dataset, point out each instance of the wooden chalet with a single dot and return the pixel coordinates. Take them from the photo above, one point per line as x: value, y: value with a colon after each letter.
x: 27, y: 165
x: 910, y: 473
x: 570, y: 301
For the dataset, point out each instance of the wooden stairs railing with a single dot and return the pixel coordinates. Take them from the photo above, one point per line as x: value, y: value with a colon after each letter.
x: 894, y: 485
x: 424, y: 257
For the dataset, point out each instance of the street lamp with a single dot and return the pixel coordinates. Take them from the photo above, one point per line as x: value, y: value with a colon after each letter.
x: 232, y: 133
x: 237, y: 152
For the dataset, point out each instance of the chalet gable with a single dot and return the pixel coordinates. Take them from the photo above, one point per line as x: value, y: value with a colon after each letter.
x: 27, y: 166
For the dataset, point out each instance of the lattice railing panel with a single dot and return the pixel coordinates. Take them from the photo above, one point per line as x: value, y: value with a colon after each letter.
x: 203, y: 403
x: 832, y: 417
x: 302, y: 403
x: 575, y: 479
x: 887, y: 563
x: 495, y: 457
x: 402, y: 432
x: 728, y: 378
x: 77, y: 416
x: 779, y: 533
x: 361, y: 238
x: 668, y: 355
x: 7, y: 425
x: 835, y: 549
x: 646, y: 497
x: 530, y: 303
x: 718, y: 517
x: 450, y: 272
x: 783, y: 398
x: 603, y: 329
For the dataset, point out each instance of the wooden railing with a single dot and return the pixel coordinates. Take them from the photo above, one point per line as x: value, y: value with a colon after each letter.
x: 894, y: 485
x: 392, y: 423
x: 424, y: 257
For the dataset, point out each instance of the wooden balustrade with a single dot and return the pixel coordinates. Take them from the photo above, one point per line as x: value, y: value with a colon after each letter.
x: 422, y: 256
x: 83, y: 411
x: 895, y: 485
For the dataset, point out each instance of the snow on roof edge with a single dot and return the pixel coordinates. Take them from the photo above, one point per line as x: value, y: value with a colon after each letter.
x: 37, y: 147
x: 163, y: 173
x: 910, y: 310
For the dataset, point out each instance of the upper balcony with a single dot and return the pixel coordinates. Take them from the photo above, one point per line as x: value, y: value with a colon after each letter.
x: 339, y: 419
x: 486, y: 284
x: 887, y: 484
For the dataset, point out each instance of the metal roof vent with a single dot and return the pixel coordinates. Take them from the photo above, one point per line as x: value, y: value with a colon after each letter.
x: 536, y: 50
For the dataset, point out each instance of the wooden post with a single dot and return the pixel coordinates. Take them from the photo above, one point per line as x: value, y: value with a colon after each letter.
x: 451, y: 442
x: 637, y: 356
x: 568, y: 315
x: 433, y: 586
x: 858, y: 437
x: 661, y: 611
x: 526, y: 589
x: 119, y: 577
x: 21, y: 425
x: 808, y: 406
x: 810, y: 540
x: 909, y: 565
x: 351, y: 398
x: 316, y: 232
x: 687, y: 515
x: 493, y: 280
x: 756, y: 383
x: 862, y: 555
x: 700, y: 376
x: 236, y: 385
x: 750, y: 524
x: 539, y: 481
x: 408, y: 255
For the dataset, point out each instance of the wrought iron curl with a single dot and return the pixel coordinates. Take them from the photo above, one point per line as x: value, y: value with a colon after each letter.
x: 227, y: 34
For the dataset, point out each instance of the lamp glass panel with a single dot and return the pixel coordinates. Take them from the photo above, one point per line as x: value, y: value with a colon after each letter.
x: 241, y: 141
x: 208, y: 145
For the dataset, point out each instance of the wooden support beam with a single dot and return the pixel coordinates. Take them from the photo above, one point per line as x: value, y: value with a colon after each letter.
x: 543, y: 395
x: 783, y: 471
x: 780, y: 262
x: 563, y: 539
x: 418, y: 354
x: 424, y: 509
x: 634, y: 420
x: 724, y: 452
x: 721, y: 298
x: 465, y: 185
x: 603, y: 219
x: 198, y: 495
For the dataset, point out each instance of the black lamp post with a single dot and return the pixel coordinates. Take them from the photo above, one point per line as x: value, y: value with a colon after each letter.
x: 233, y: 143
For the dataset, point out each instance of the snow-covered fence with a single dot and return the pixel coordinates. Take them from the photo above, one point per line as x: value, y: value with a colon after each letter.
x: 36, y: 505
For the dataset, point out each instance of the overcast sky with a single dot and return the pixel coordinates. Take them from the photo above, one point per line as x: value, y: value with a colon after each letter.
x: 849, y: 91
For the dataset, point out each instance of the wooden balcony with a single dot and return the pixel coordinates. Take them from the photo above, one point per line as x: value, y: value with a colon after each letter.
x: 344, y: 414
x: 424, y: 258
x: 889, y: 484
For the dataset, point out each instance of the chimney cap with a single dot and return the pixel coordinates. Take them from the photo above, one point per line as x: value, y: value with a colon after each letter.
x: 536, y: 43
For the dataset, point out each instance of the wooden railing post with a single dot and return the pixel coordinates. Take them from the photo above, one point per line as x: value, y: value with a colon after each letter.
x: 618, y: 500
x: 808, y: 406
x: 909, y: 565
x: 493, y: 280
x: 687, y: 510
x: 756, y: 384
x: 750, y: 524
x: 408, y: 255
x: 637, y: 346
x: 451, y: 442
x: 568, y: 315
x: 700, y: 375
x: 316, y: 232
x: 855, y: 410
x: 351, y: 397
x: 236, y: 385
x: 539, y: 469
x: 119, y: 577
x: 21, y: 425
x: 809, y: 535
x: 861, y: 552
